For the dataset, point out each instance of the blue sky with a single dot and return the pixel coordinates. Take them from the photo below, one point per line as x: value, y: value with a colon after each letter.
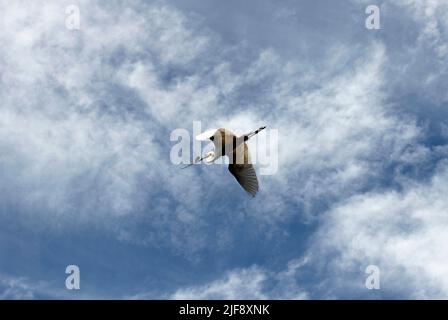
x: 85, y: 170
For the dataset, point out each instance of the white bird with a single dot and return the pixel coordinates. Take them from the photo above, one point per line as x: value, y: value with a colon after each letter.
x: 228, y: 144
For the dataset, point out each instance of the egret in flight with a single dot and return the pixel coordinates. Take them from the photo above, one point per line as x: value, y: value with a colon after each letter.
x: 228, y: 144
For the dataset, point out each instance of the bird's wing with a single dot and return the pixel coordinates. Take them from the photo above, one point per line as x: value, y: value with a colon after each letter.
x: 246, y: 177
x: 244, y: 171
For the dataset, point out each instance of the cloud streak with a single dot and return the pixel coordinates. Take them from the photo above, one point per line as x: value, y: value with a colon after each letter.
x: 86, y: 116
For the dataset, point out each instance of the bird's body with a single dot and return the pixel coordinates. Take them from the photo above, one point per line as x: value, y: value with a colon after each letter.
x: 228, y: 144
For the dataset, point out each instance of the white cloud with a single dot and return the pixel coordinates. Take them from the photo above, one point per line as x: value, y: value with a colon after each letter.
x: 249, y: 284
x: 403, y: 233
x: 415, y: 34
x: 83, y: 112
x: 335, y: 138
x: 15, y: 289
x: 76, y: 149
x: 25, y: 288
x: 433, y: 15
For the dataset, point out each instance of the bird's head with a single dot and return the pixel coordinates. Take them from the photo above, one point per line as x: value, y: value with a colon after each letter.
x: 209, y: 157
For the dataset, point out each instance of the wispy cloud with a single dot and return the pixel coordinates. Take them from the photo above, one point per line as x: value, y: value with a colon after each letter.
x: 250, y: 283
x: 15, y: 289
x: 403, y: 233
x: 86, y: 115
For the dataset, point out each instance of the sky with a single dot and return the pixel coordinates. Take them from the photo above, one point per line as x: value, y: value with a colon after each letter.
x: 86, y: 177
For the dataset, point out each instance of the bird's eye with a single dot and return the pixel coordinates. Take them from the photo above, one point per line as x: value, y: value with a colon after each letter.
x: 212, y: 138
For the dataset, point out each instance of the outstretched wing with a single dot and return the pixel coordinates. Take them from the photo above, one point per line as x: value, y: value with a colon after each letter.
x: 243, y: 170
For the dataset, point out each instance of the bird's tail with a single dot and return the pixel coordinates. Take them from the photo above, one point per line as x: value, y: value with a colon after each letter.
x: 250, y: 135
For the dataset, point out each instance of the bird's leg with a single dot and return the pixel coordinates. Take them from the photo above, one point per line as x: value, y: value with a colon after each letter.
x: 250, y: 135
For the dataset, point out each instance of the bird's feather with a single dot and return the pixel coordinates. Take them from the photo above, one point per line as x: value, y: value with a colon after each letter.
x: 243, y: 170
